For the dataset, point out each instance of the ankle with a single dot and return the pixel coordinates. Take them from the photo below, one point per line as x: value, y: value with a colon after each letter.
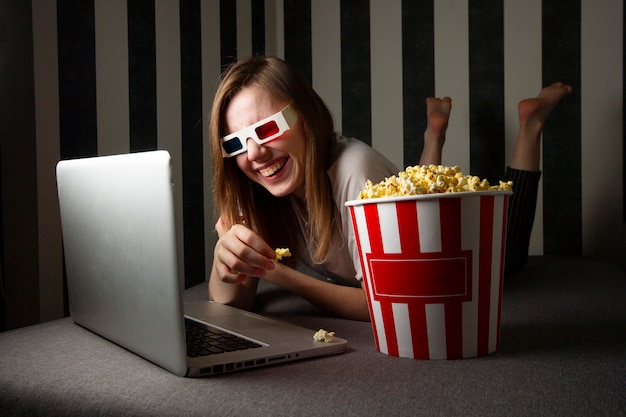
x: 432, y: 152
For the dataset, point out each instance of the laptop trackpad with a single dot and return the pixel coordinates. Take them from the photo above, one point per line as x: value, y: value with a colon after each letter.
x: 224, y: 316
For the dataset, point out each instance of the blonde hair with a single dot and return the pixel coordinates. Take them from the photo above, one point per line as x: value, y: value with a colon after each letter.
x: 240, y: 200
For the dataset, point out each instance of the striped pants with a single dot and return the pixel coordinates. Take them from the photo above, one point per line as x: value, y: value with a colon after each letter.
x: 521, y: 216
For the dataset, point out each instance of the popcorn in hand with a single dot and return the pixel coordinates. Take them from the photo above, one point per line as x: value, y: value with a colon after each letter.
x: 280, y: 253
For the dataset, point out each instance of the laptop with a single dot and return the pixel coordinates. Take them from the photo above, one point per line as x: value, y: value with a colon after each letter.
x: 119, y: 237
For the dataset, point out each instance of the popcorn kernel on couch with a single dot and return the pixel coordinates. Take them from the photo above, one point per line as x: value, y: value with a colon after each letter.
x: 428, y: 179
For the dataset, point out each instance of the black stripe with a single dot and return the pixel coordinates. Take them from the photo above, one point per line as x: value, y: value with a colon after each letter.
x: 356, y: 89
x: 258, y: 27
x: 77, y: 86
x: 298, y: 49
x: 4, y: 29
x: 486, y: 88
x: 142, y: 75
x: 19, y: 280
x: 3, y: 105
x: 418, y: 72
x: 191, y: 95
x: 624, y: 111
x: 562, y: 196
x: 77, y: 78
x: 228, y: 32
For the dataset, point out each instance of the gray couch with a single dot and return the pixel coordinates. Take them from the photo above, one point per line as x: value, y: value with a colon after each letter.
x: 563, y: 353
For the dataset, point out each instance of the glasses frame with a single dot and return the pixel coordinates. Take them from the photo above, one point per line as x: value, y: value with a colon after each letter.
x: 284, y: 119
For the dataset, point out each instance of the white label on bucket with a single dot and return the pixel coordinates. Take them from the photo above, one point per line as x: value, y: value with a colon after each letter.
x: 389, y: 232
x: 429, y: 226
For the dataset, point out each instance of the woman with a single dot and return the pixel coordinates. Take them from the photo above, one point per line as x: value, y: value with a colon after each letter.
x: 281, y: 178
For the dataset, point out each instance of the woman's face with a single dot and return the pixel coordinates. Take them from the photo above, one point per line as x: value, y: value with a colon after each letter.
x: 277, y: 165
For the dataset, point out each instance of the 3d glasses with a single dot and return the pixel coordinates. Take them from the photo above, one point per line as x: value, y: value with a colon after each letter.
x: 261, y: 132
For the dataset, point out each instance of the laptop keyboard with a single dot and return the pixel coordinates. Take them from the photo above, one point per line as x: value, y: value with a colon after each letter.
x: 204, y: 340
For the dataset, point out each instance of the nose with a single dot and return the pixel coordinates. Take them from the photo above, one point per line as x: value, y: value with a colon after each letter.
x: 255, y: 151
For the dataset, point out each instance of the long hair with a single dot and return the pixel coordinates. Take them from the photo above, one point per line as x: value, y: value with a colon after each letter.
x: 240, y: 200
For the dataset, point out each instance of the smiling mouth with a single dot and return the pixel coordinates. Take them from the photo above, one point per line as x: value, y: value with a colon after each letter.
x: 273, y: 169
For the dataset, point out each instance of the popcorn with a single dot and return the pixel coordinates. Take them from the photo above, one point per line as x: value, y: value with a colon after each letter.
x: 323, y: 336
x: 428, y: 179
x: 280, y: 253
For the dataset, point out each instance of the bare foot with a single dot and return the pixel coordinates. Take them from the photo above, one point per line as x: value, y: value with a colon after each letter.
x: 533, y: 113
x: 437, y: 115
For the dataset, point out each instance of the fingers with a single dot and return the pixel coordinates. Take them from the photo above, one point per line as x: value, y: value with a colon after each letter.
x: 240, y: 252
x: 229, y: 276
x: 219, y: 227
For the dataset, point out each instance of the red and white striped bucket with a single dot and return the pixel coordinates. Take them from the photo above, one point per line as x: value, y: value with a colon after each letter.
x: 433, y: 267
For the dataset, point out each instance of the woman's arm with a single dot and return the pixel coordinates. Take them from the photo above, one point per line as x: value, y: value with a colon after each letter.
x: 342, y: 301
x: 240, y: 255
x: 238, y: 294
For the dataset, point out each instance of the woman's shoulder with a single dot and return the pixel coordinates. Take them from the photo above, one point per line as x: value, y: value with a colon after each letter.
x: 354, y: 162
x: 348, y: 151
x: 354, y: 154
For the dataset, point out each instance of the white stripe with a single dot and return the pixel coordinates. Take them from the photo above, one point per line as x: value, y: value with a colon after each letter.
x: 361, y: 222
x: 386, y: 72
x: 380, y: 327
x: 46, y: 80
x: 470, y: 240
x: 361, y: 228
x: 436, y: 329
x: 113, y: 114
x: 169, y: 101
x: 211, y: 66
x: 367, y: 276
x: 364, y: 240
x: 452, y: 76
x: 429, y: 225
x: 275, y: 28
x: 389, y: 229
x: 522, y: 79
x: 403, y: 329
x: 601, y: 127
x: 244, y: 29
x: 326, y: 54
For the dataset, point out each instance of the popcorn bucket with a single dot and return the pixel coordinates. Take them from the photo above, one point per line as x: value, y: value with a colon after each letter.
x: 433, y: 266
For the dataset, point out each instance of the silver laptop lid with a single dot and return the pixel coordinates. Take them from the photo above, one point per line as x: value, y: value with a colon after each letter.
x: 117, y: 215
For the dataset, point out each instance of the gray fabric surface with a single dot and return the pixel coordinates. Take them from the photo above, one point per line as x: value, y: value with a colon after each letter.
x: 563, y: 352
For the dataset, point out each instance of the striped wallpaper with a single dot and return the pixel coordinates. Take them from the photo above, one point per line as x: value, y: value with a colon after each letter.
x: 101, y: 77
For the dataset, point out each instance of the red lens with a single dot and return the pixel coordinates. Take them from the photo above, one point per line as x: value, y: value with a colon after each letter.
x: 266, y: 130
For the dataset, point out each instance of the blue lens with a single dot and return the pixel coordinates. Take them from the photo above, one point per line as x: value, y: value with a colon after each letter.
x: 232, y: 145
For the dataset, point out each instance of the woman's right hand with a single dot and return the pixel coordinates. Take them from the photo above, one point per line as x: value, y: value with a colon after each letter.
x: 240, y: 252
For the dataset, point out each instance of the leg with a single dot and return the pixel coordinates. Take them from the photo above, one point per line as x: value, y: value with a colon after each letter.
x: 533, y: 113
x: 521, y: 216
x: 524, y: 172
x: 437, y: 115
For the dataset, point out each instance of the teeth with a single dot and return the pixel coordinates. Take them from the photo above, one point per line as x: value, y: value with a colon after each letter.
x: 269, y: 171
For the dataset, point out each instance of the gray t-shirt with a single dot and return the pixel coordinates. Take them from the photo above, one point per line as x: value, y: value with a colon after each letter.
x: 354, y: 163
